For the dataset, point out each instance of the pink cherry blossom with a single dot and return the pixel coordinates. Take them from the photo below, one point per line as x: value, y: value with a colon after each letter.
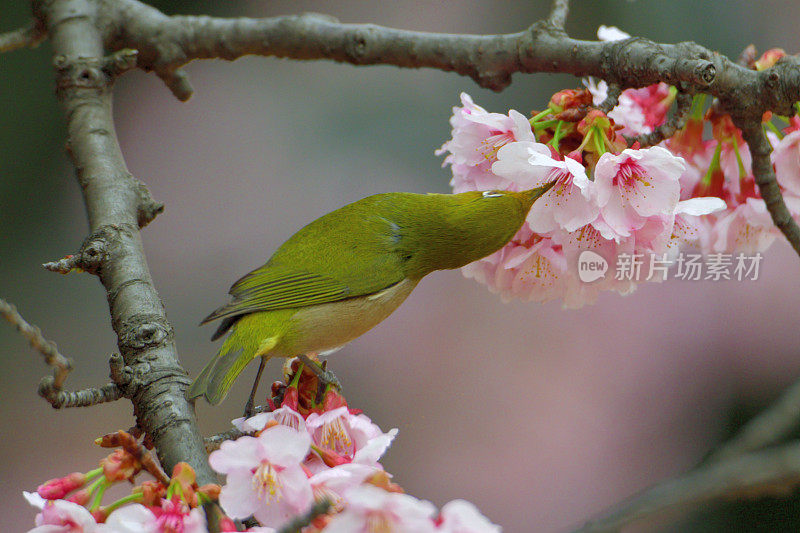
x: 334, y: 483
x: 264, y: 475
x: 786, y: 158
x: 748, y: 228
x: 627, y: 113
x: 172, y: 517
x: 461, y: 516
x: 697, y: 164
x: 346, y: 437
x: 284, y: 415
x: 577, y: 293
x: 635, y: 185
x: 530, y: 268
x: 736, y: 167
x: 371, y: 509
x: 567, y: 205
x: 346, y: 434
x: 690, y: 227
x: 478, y: 134
x: 476, y: 137
x: 61, y: 516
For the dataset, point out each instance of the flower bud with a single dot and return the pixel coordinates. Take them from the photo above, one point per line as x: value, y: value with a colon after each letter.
x: 56, y: 489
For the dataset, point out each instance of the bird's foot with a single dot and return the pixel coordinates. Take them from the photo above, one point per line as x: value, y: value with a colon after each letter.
x: 249, y: 409
x: 325, y: 376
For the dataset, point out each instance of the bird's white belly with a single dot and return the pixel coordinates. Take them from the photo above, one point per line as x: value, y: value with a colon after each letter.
x: 327, y: 327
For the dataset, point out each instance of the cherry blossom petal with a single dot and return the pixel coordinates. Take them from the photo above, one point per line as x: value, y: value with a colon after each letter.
x: 283, y: 445
x: 237, y: 497
x: 461, y: 516
x: 242, y: 453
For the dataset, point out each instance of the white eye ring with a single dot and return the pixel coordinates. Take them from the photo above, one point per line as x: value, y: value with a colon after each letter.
x: 492, y: 194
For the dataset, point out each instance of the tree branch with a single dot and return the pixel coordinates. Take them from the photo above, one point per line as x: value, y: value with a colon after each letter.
x: 60, y: 399
x: 558, y: 13
x: 297, y: 524
x: 772, y: 472
x: 167, y: 43
x: 769, y: 427
x: 215, y: 441
x: 61, y: 365
x: 675, y: 121
x: 612, y: 99
x: 114, y: 204
x: 27, y: 37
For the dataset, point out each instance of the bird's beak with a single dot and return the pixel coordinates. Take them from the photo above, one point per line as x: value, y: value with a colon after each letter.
x: 533, y: 194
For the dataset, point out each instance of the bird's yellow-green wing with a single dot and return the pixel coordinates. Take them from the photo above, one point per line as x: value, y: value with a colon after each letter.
x: 353, y: 251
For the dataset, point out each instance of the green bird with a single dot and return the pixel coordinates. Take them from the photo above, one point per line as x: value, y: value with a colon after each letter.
x: 345, y: 272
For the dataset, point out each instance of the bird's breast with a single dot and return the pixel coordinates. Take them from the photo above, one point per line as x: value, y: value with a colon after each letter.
x: 324, y: 327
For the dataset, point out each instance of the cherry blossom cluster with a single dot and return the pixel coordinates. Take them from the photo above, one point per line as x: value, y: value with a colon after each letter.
x: 306, y: 451
x: 73, y: 503
x: 610, y: 198
x: 313, y: 448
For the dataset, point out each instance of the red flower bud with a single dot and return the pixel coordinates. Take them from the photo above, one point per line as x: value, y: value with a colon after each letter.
x: 769, y: 58
x: 56, y: 489
x: 152, y: 492
x: 120, y: 466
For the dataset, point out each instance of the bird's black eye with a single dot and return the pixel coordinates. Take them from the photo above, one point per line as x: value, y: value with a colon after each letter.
x: 492, y: 194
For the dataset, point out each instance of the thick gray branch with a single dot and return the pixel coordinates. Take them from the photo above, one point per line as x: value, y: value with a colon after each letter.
x: 114, y: 205
x: 167, y: 43
x: 772, y: 472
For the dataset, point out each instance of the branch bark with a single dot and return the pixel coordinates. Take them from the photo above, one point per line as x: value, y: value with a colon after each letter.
x: 115, y: 202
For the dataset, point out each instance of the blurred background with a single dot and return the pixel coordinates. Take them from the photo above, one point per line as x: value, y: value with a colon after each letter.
x: 542, y: 417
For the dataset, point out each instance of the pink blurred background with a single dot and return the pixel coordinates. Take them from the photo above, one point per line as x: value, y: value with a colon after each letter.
x: 540, y: 416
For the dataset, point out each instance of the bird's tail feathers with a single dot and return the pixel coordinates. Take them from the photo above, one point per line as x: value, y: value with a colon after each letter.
x: 236, y: 352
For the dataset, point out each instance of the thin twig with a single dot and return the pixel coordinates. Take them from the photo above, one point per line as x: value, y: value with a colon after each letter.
x: 612, y: 98
x: 318, y: 509
x: 61, y: 399
x: 215, y: 441
x: 27, y: 37
x: 771, y: 472
x: 65, y: 265
x: 675, y: 121
x: 126, y: 441
x: 558, y: 13
x: 61, y: 365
